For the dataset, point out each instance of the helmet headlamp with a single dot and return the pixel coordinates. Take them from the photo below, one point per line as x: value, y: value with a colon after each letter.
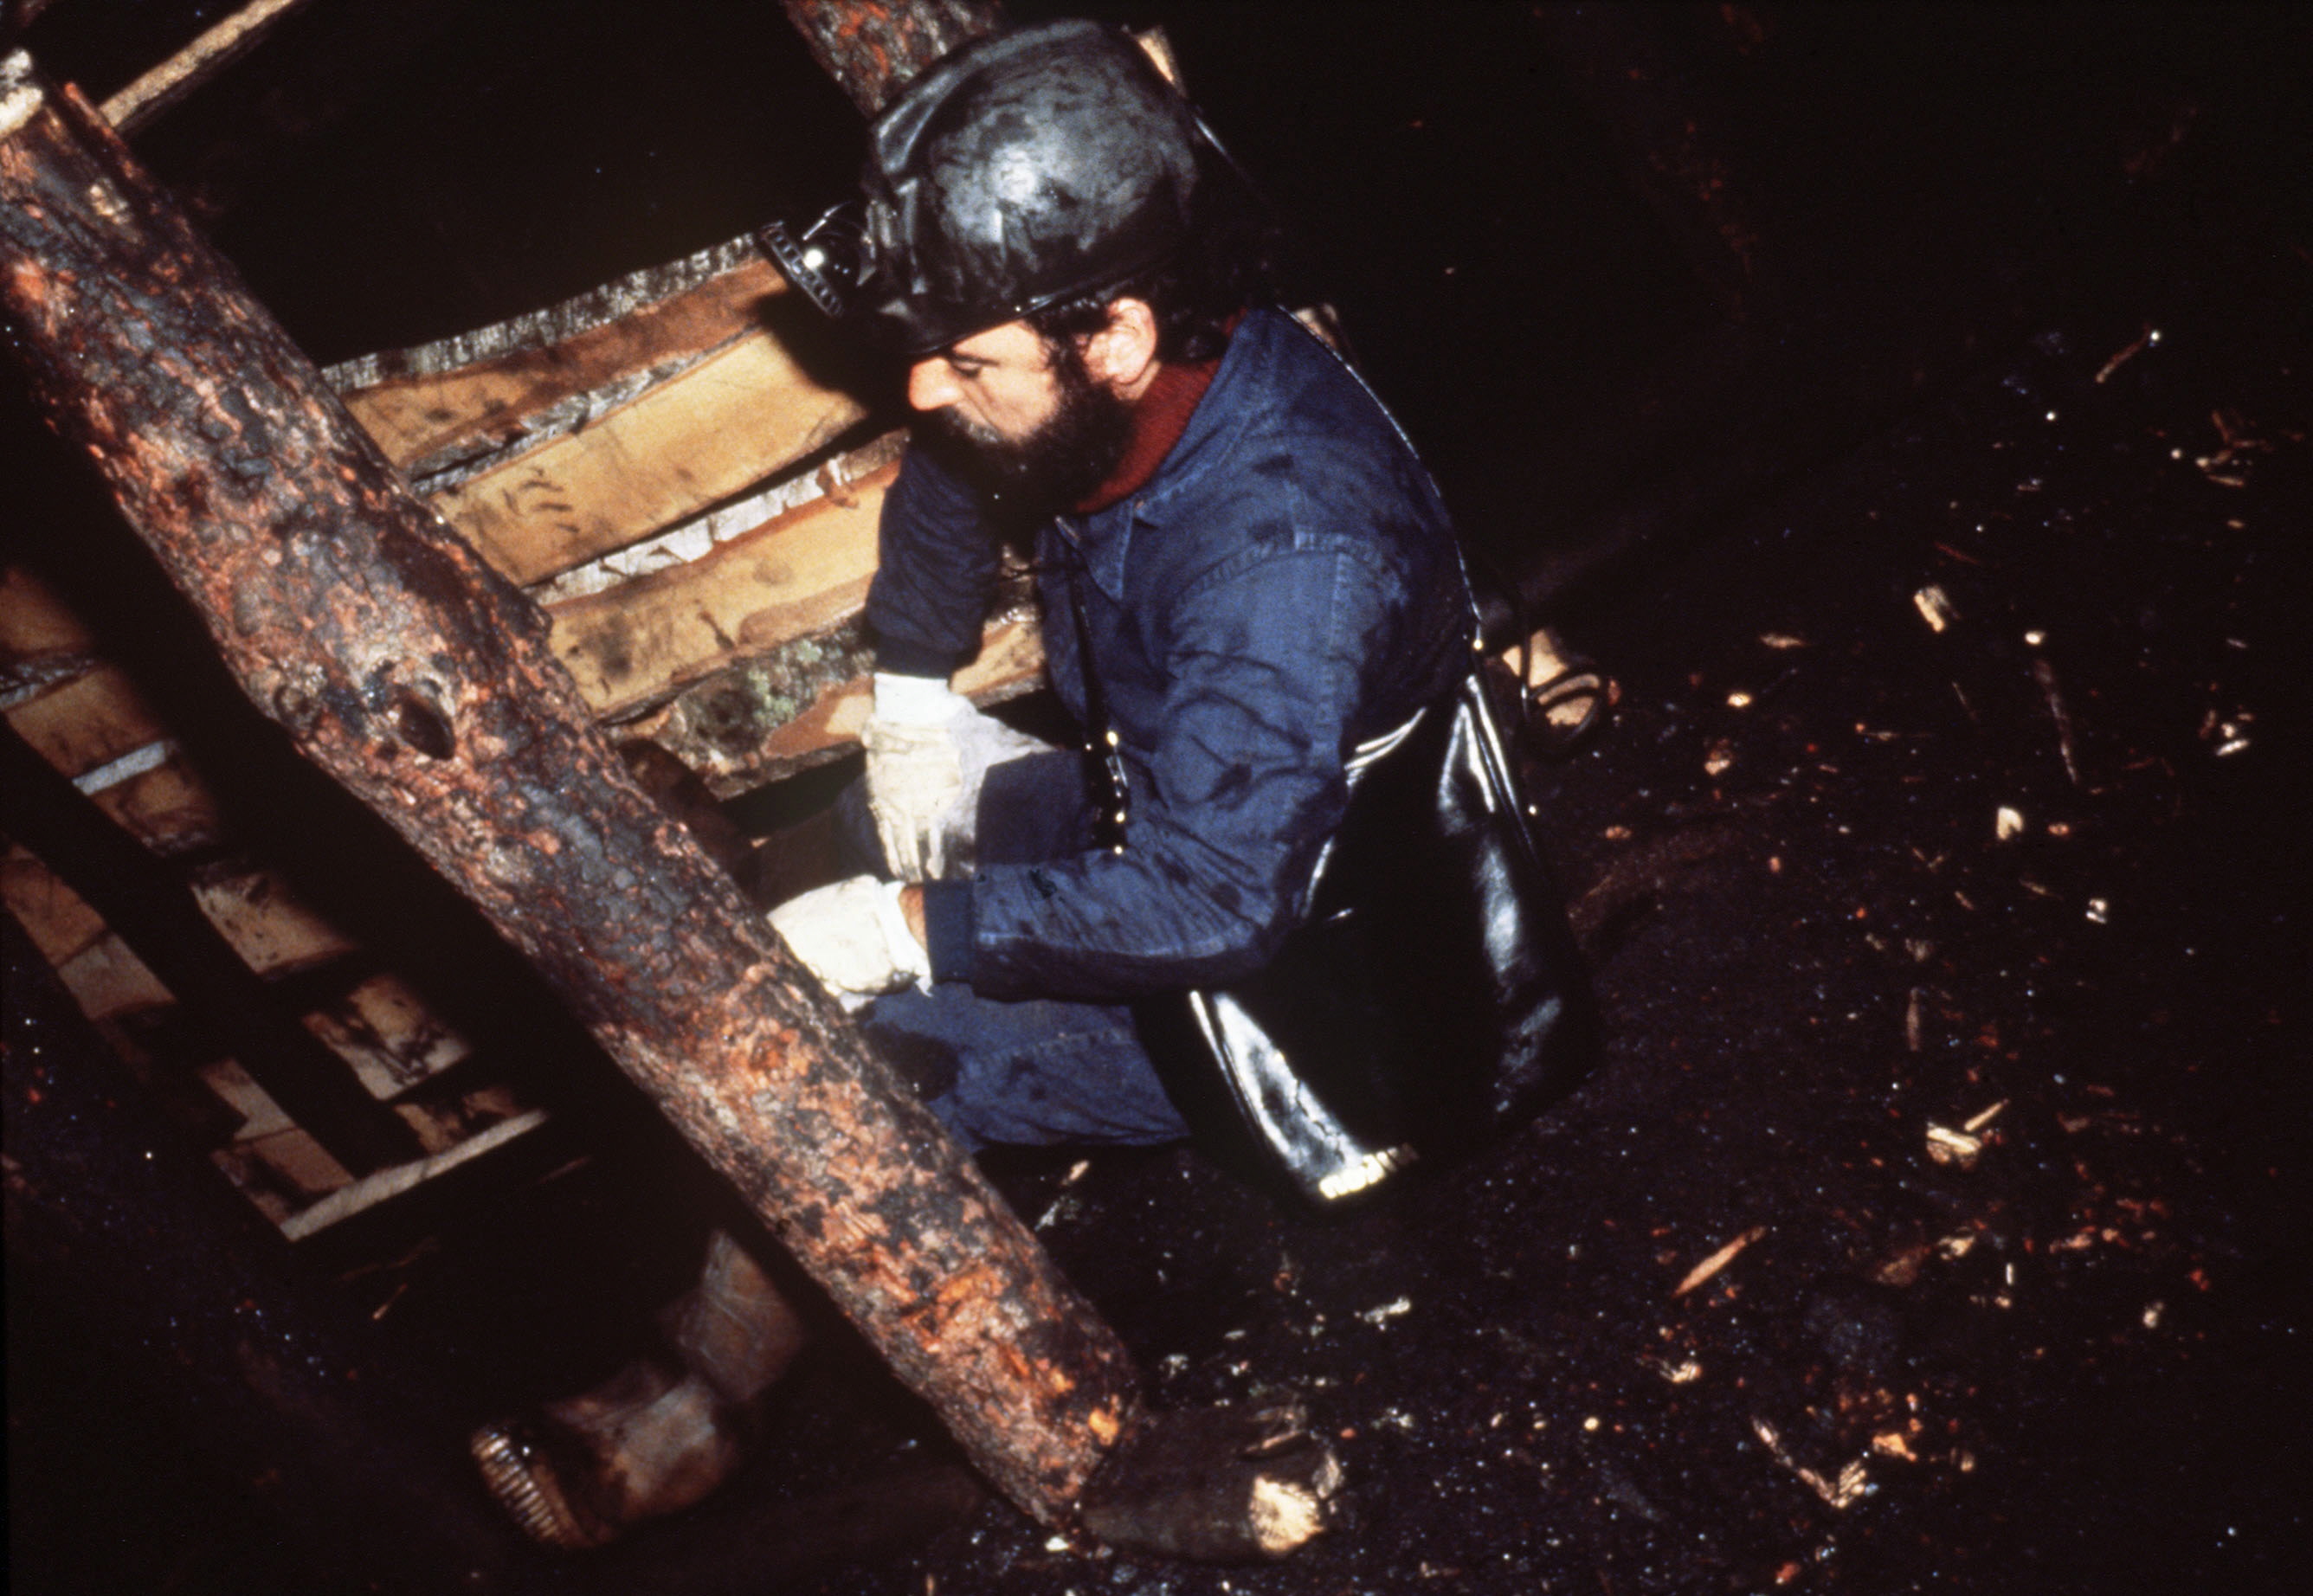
x: 826, y: 260
x: 1030, y: 165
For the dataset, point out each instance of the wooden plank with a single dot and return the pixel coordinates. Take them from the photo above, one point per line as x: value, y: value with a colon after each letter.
x: 176, y: 934
x: 385, y: 1030
x: 557, y: 323
x: 301, y: 1167
x: 419, y: 414
x: 35, y: 621
x: 216, y: 48
x: 61, y: 922
x: 693, y: 539
x: 254, y: 1181
x: 1011, y: 660
x: 107, y: 979
x: 795, y: 576
x: 167, y: 808
x: 88, y: 722
x: 273, y: 930
x: 256, y: 910
x: 440, y: 1125
x: 739, y: 736
x: 715, y: 430
x: 90, y: 715
x: 719, y: 726
x: 385, y: 1185
x: 260, y: 1115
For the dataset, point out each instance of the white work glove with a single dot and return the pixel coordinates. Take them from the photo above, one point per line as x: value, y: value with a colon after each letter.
x: 928, y: 752
x: 854, y: 938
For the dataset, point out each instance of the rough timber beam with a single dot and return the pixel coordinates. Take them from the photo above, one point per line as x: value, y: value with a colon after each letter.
x: 412, y: 672
x: 872, y: 47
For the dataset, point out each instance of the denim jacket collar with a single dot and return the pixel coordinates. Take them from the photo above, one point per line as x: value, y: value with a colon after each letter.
x: 1104, y: 538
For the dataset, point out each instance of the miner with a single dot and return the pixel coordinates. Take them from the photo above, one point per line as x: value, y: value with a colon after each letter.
x: 1249, y: 589
x: 1278, y: 867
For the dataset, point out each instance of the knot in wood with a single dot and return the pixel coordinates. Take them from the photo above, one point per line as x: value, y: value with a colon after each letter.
x: 423, y: 727
x: 411, y: 708
x: 506, y: 866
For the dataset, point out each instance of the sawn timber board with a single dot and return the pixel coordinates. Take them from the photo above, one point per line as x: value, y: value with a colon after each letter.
x: 698, y: 438
x: 421, y: 413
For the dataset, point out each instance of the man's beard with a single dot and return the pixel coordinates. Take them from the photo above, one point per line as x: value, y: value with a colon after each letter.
x: 1059, y: 465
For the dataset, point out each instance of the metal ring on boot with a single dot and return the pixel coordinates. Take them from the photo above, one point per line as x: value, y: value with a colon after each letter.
x: 521, y: 1477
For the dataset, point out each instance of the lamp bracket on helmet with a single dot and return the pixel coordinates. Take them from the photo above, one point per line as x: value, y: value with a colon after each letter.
x: 825, y: 260
x: 1031, y: 166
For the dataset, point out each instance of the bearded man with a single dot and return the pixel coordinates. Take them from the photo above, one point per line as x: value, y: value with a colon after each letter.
x: 1249, y: 587
x: 1256, y: 611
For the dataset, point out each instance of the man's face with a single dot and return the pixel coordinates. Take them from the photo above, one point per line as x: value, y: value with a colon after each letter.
x: 999, y: 382
x: 1028, y: 423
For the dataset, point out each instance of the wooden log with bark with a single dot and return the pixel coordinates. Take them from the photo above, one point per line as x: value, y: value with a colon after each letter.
x: 402, y: 665
x: 874, y: 47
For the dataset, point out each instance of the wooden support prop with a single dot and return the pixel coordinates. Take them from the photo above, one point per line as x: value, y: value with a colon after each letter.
x: 404, y: 666
x: 874, y: 47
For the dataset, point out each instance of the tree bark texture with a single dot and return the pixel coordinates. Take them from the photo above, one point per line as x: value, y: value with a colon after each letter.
x: 399, y: 663
x: 872, y: 48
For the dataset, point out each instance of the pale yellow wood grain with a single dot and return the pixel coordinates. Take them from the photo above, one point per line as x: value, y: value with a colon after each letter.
x: 729, y: 422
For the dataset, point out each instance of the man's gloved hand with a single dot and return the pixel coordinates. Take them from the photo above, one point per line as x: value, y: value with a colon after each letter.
x: 928, y: 751
x: 854, y: 938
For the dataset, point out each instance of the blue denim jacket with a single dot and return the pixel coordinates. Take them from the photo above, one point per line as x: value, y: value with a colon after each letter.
x: 1284, y: 588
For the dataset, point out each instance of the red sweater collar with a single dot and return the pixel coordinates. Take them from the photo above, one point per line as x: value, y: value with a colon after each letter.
x: 1158, y: 419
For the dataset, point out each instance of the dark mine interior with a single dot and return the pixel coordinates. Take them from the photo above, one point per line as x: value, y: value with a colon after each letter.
x: 1906, y: 408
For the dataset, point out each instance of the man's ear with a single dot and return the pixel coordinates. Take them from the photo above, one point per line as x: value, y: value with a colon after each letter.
x: 1123, y: 355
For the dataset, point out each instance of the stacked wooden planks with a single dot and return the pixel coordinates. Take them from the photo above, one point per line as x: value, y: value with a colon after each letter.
x: 690, y: 499
x: 85, y: 715
x: 692, y: 503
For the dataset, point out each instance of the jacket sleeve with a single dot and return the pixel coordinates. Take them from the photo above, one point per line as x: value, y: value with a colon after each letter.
x: 1267, y: 657
x: 935, y: 573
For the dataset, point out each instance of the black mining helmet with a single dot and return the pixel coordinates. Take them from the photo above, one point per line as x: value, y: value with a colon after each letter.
x: 1026, y: 167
